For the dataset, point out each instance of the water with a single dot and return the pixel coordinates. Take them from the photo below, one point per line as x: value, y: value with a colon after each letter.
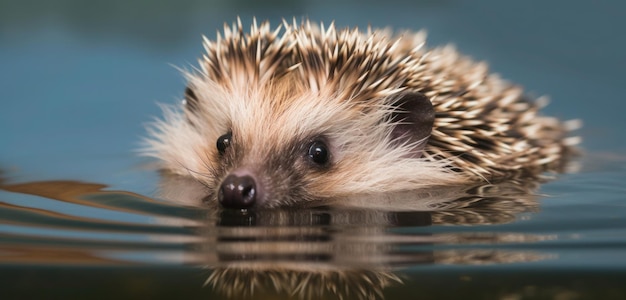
x: 79, y: 215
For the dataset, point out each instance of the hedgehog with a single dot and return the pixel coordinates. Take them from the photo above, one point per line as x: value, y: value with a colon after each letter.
x: 304, y: 112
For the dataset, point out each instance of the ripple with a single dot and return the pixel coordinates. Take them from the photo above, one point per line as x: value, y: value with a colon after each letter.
x: 358, y: 246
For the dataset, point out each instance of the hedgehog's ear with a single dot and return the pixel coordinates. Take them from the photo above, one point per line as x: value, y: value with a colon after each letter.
x: 412, y: 120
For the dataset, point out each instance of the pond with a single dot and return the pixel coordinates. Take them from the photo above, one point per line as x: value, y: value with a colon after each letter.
x: 83, y: 216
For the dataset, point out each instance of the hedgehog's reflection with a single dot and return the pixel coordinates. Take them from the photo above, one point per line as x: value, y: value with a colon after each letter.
x: 237, y: 282
x: 352, y: 248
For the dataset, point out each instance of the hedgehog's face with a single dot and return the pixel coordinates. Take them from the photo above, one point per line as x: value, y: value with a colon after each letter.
x: 282, y: 144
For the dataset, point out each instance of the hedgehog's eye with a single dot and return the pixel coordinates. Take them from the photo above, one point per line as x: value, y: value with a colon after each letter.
x: 191, y: 100
x: 318, y: 153
x: 223, y: 142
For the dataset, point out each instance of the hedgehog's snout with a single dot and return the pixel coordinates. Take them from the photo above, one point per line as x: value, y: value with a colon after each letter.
x: 238, y: 191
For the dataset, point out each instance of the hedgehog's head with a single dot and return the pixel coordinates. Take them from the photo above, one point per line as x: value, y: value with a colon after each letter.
x: 277, y: 119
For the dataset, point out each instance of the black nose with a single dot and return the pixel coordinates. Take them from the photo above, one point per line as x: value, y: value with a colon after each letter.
x: 237, y: 192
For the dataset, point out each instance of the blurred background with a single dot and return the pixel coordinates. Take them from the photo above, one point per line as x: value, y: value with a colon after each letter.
x: 79, y: 79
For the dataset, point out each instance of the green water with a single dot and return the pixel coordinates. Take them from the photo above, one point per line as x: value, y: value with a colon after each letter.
x: 80, y: 215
